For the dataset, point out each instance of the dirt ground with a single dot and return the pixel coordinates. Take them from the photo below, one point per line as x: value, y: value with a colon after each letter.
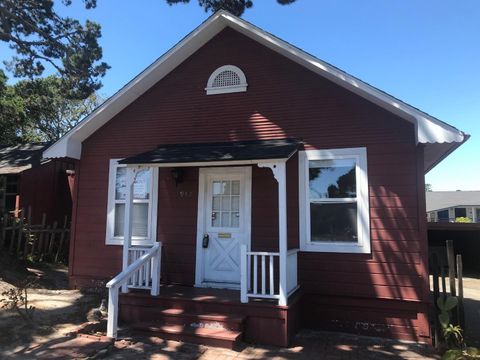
x: 57, y: 309
x: 60, y: 311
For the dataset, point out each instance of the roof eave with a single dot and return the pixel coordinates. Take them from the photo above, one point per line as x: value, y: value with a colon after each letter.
x: 428, y: 129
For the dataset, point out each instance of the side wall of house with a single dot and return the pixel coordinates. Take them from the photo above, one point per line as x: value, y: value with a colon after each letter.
x: 46, y: 190
x: 384, y: 293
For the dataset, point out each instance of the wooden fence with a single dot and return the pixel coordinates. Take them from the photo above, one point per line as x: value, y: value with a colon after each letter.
x: 453, y: 270
x: 39, y: 242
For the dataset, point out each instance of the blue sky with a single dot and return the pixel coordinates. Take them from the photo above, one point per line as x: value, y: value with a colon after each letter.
x: 426, y: 53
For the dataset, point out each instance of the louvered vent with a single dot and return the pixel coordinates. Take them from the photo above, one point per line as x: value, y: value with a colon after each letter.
x: 226, y: 79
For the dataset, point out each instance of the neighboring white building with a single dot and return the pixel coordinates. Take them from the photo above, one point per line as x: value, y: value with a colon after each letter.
x: 447, y: 206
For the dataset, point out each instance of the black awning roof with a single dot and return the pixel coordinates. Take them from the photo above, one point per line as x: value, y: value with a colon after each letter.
x: 224, y: 151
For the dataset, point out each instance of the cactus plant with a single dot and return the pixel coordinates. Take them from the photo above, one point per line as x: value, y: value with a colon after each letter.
x: 452, y: 333
x: 446, y: 305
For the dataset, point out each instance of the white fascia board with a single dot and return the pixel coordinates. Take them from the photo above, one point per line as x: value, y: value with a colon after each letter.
x: 428, y: 129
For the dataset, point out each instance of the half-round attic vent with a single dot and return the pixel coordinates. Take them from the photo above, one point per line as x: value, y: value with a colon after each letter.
x: 226, y: 79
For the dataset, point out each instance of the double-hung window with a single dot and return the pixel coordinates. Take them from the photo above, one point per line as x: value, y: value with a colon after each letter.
x: 334, y: 208
x: 144, y: 219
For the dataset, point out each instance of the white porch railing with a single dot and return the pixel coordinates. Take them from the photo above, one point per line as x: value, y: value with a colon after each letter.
x: 143, y: 273
x: 142, y: 277
x: 259, y: 274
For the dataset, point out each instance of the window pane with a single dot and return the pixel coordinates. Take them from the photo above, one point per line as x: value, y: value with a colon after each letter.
x: 235, y: 203
x: 225, y: 219
x: 443, y: 216
x: 226, y: 187
x: 226, y: 203
x: 460, y: 212
x: 121, y: 183
x: 217, y: 200
x: 141, y: 187
x: 140, y: 220
x: 235, y: 187
x: 477, y: 216
x: 216, y: 217
x: 119, y: 219
x: 217, y: 188
x: 235, y: 219
x: 333, y: 222
x: 332, y: 179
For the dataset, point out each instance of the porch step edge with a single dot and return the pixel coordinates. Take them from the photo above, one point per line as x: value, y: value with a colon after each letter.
x: 174, y: 312
x: 214, y: 337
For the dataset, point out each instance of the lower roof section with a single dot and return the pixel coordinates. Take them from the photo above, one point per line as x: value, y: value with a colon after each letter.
x: 218, y: 152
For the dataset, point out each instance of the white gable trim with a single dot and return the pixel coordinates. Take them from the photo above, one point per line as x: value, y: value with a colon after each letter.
x: 428, y: 129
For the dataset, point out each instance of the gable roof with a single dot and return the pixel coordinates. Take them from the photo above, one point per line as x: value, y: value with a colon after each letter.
x: 439, y: 138
x: 437, y: 200
x: 18, y: 158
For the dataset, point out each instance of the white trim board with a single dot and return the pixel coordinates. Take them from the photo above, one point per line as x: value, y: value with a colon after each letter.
x: 363, y: 208
x: 110, y: 239
x: 428, y: 129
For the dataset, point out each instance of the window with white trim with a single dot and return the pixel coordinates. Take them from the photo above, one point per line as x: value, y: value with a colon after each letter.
x: 334, y: 207
x: 226, y: 79
x: 144, y: 209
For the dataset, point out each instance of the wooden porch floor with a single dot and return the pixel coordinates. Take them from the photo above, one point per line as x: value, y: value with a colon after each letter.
x: 209, y: 295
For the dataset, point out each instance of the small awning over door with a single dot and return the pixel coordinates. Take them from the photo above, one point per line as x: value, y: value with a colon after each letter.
x: 218, y: 152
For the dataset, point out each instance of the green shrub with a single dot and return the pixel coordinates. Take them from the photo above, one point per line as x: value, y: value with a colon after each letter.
x: 463, y: 220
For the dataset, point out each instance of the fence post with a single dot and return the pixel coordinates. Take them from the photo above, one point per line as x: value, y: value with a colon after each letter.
x: 28, y: 233
x: 62, y: 238
x: 20, y: 231
x: 461, y: 309
x: 12, y: 234
x: 53, y: 235
x: 3, y: 233
x: 444, y: 284
x: 436, y: 295
x: 40, y: 236
x: 451, y: 267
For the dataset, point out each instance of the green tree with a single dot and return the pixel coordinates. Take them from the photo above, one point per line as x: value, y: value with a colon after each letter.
x: 49, y: 112
x: 428, y: 187
x: 13, y: 121
x: 236, y: 7
x: 40, y: 37
x: 37, y: 110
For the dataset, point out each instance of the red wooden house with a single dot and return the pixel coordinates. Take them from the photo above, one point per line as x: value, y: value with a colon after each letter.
x: 27, y: 181
x: 240, y: 187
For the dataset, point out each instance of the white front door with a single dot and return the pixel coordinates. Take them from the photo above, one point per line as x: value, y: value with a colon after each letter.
x: 224, y: 201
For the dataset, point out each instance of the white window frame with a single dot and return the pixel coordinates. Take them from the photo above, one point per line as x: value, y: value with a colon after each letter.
x: 363, y: 208
x: 110, y: 238
x: 242, y: 87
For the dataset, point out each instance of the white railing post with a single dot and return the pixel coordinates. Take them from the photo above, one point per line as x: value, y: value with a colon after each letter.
x: 156, y: 268
x: 127, y: 229
x: 280, y: 174
x: 282, y: 231
x: 243, y: 274
x: 112, y: 312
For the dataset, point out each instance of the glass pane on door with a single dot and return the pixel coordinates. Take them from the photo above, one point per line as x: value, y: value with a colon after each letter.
x: 225, y: 204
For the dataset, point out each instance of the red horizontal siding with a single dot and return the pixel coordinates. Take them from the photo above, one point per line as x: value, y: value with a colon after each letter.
x: 283, y: 100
